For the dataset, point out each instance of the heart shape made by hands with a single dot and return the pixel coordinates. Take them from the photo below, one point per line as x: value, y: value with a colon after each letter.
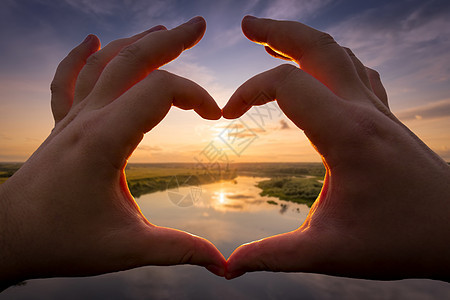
x: 104, y: 101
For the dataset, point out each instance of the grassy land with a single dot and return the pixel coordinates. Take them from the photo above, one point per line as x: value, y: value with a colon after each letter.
x: 295, y: 189
x: 296, y: 182
x: 7, y: 170
x: 287, y: 179
x: 143, y: 178
x: 280, y: 169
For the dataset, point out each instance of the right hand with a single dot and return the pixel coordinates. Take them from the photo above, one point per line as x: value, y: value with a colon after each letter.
x: 385, y: 203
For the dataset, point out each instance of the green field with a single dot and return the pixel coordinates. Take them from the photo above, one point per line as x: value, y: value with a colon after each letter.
x: 145, y: 178
x: 297, y: 182
x: 295, y: 189
x: 280, y: 169
x: 7, y: 170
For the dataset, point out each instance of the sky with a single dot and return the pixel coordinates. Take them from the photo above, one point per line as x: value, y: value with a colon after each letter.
x: 407, y: 41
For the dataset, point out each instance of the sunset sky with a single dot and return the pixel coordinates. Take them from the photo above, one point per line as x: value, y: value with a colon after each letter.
x: 408, y: 42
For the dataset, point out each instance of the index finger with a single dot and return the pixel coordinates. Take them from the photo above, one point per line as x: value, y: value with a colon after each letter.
x: 316, y: 52
x: 136, y: 61
x: 141, y: 108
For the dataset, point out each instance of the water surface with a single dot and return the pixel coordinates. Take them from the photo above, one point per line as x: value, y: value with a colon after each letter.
x: 228, y: 214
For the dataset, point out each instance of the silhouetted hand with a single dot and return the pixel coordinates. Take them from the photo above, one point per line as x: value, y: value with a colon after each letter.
x: 385, y: 204
x: 68, y: 211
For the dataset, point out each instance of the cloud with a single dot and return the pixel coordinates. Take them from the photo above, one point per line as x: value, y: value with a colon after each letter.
x: 391, y: 32
x: 407, y: 44
x: 146, y: 14
x: 239, y: 125
x: 149, y: 148
x: 136, y: 14
x: 186, y: 66
x: 5, y: 137
x: 153, y: 9
x: 228, y: 37
x: 98, y: 7
x: 439, y: 109
x: 241, y: 135
x: 293, y: 9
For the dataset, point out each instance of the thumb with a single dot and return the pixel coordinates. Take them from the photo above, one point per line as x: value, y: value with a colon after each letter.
x: 304, y: 100
x: 288, y: 252
x: 165, y: 246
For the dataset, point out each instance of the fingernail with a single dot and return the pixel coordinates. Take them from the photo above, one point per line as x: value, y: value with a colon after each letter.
x: 249, y: 17
x: 156, y: 28
x: 194, y: 20
x: 88, y: 38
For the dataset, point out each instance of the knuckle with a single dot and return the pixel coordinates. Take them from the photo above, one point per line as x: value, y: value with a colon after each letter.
x: 55, y: 87
x: 90, y: 134
x: 188, y: 255
x: 161, y: 78
x: 162, y: 75
x: 372, y: 73
x: 349, y: 52
x: 287, y: 68
x: 131, y: 54
x: 366, y: 124
x: 287, y: 73
x: 93, y: 60
x: 324, y: 40
x: 118, y: 44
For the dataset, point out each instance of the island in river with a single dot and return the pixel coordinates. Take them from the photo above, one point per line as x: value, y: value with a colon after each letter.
x: 296, y: 182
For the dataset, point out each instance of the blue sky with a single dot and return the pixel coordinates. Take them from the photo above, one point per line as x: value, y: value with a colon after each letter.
x: 408, y: 42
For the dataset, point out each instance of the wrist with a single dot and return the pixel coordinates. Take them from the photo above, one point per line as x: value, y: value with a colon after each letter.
x: 11, y: 253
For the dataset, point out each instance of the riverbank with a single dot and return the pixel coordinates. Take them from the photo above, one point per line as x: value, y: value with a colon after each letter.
x: 7, y: 170
x: 296, y: 182
x: 295, y: 189
x: 143, y: 179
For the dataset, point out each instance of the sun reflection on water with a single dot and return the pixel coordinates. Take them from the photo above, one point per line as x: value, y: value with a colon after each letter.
x: 222, y: 197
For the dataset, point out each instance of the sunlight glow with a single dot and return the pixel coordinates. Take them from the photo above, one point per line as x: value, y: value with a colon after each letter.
x: 222, y: 197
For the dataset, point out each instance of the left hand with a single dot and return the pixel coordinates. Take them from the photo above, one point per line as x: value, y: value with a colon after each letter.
x: 68, y: 211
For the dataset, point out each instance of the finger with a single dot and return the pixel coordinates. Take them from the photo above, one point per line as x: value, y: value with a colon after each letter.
x: 360, y: 68
x: 377, y: 86
x: 164, y: 246
x: 370, y: 78
x: 145, y: 105
x: 316, y: 52
x: 289, y: 252
x: 304, y: 100
x: 96, y: 63
x: 136, y: 61
x: 63, y: 84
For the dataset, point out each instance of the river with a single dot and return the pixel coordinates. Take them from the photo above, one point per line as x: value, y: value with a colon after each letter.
x: 228, y: 214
